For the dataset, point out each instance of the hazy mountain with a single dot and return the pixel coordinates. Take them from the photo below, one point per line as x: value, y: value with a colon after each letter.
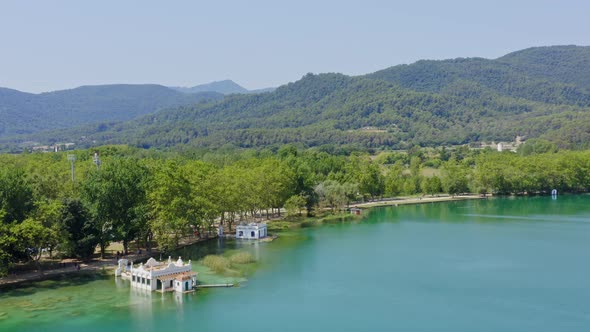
x: 225, y: 87
x: 426, y: 103
x: 22, y: 113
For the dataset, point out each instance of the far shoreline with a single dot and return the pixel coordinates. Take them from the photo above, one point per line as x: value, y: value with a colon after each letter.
x: 418, y: 200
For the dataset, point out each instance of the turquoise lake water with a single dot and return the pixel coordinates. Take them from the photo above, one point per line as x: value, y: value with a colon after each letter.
x: 519, y: 264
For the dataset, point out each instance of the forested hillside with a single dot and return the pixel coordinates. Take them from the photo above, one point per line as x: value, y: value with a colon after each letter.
x: 510, y: 76
x: 565, y: 64
x: 530, y: 93
x: 23, y: 113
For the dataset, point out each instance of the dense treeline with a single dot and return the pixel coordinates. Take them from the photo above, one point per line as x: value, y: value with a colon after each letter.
x: 143, y: 196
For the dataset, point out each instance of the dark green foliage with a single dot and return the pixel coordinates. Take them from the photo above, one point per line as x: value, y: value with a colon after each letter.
x: 455, y: 177
x: 565, y: 64
x: 80, y: 233
x: 16, y: 195
x: 116, y: 195
x: 536, y: 146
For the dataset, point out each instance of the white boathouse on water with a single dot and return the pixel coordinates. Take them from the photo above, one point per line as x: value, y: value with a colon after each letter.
x: 159, y: 276
x: 252, y: 231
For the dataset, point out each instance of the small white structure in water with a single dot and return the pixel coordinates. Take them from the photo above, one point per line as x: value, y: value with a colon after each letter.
x: 251, y: 231
x: 159, y: 276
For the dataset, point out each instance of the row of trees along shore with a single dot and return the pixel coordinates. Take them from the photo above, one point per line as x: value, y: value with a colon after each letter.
x: 146, y: 197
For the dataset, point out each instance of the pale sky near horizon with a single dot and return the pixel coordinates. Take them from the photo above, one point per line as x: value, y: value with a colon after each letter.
x: 52, y: 45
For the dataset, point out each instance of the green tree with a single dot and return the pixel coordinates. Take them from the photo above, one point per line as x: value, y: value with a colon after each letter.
x: 16, y: 194
x: 294, y: 205
x: 171, y: 205
x: 7, y: 245
x: 332, y: 194
x: 117, y: 196
x: 455, y: 177
x: 79, y: 233
x: 371, y: 181
x: 431, y: 185
x: 32, y: 238
x: 394, y: 180
x: 536, y: 146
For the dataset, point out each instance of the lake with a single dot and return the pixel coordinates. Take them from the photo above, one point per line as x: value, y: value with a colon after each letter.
x: 507, y: 264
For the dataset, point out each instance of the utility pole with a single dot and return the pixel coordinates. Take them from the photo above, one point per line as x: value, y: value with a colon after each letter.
x: 72, y: 159
x: 96, y: 160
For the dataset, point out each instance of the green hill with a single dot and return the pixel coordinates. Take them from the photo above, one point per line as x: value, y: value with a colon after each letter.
x: 565, y: 64
x: 482, y: 76
x: 22, y: 113
x: 426, y: 103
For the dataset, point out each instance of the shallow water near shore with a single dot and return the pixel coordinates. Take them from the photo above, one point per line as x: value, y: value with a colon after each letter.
x: 509, y: 264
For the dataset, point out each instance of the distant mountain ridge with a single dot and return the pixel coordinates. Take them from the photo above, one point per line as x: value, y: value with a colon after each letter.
x: 225, y: 87
x: 427, y: 103
x: 27, y: 113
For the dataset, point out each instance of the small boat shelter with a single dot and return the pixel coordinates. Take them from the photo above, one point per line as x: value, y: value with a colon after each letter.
x: 252, y: 231
x: 159, y: 276
x: 356, y: 211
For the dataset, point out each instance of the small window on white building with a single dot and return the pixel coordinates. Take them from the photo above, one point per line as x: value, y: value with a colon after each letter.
x: 252, y: 234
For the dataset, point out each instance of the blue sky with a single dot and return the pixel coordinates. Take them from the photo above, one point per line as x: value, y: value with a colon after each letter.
x: 50, y: 45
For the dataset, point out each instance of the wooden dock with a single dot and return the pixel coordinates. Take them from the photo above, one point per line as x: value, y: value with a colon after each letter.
x: 215, y: 285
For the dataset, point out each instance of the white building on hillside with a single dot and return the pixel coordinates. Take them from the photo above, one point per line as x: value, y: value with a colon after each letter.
x: 251, y: 231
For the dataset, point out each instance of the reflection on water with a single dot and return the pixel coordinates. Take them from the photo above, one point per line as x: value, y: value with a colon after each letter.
x: 141, y: 307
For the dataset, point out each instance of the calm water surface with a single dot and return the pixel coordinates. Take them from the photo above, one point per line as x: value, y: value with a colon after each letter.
x: 499, y: 264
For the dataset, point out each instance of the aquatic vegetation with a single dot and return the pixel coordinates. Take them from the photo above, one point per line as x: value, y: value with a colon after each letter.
x: 231, y: 264
x: 242, y: 258
x: 216, y: 263
x: 277, y: 226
